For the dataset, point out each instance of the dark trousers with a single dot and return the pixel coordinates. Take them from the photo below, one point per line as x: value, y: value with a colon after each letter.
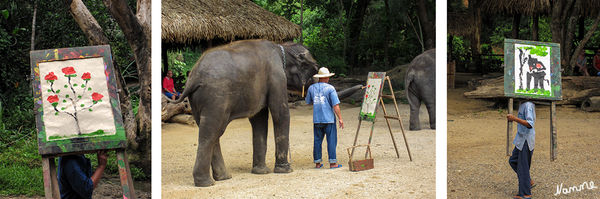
x: 520, y: 161
x: 321, y: 131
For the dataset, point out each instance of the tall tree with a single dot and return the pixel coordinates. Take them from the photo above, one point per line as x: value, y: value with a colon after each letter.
x: 137, y: 32
x: 427, y: 25
x: 357, y: 14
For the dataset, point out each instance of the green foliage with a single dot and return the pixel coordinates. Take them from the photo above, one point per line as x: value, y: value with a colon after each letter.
x: 21, y: 180
x: 541, y: 51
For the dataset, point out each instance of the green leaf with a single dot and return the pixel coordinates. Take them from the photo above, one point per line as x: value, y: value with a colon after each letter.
x: 64, y: 101
x: 83, y: 86
x: 66, y: 95
x: 49, y: 90
x: 89, y: 89
x: 66, y: 86
x: 90, y: 110
x: 63, y: 108
x: 74, y: 84
x: 55, y: 113
x: 4, y: 13
x: 79, y: 96
x: 82, y: 105
x: 58, y: 91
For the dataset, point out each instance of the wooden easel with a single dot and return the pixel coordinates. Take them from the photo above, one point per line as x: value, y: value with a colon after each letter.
x: 387, y: 117
x: 553, y: 145
x: 51, y: 181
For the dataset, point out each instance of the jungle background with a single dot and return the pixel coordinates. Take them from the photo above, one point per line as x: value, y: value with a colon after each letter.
x: 28, y: 24
x: 350, y: 37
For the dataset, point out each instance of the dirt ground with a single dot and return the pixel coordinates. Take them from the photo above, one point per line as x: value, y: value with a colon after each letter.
x: 392, y: 177
x: 477, y: 161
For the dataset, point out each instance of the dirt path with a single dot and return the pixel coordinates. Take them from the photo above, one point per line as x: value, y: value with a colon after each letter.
x: 391, y: 178
x: 477, y: 163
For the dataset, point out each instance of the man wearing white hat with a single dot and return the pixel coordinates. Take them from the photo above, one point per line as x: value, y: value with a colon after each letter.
x: 325, y: 103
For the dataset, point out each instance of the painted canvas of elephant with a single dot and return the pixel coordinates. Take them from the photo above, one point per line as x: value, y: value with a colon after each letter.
x: 420, y: 87
x: 245, y: 79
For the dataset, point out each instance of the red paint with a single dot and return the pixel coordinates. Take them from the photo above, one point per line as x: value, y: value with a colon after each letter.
x: 68, y: 70
x: 96, y: 96
x: 50, y: 77
x: 52, y: 98
x: 86, y: 76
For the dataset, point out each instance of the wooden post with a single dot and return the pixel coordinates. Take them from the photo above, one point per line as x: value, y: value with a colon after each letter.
x: 509, y: 126
x: 389, y: 127
x: 553, y: 131
x: 50, y: 182
x: 356, y: 136
x: 125, y: 173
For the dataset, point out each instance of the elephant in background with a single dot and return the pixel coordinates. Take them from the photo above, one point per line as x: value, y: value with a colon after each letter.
x: 420, y: 87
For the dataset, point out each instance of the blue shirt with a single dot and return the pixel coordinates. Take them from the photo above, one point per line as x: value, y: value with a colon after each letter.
x: 74, y: 177
x: 323, y: 97
x: 527, y: 113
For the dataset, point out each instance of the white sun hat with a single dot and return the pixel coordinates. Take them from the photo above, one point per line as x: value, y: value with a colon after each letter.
x: 324, y: 72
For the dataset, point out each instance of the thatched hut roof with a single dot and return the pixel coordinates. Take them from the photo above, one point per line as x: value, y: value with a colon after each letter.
x: 192, y: 21
x: 526, y: 7
x: 460, y: 24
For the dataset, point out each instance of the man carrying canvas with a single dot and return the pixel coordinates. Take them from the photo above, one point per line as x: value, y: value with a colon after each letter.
x: 325, y: 103
x: 524, y: 142
x: 75, y: 178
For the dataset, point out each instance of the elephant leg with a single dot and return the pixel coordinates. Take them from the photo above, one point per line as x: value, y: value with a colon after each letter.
x: 210, y: 128
x: 281, y: 125
x: 528, y: 80
x: 430, y: 104
x: 218, y: 164
x: 260, y: 123
x: 415, y: 106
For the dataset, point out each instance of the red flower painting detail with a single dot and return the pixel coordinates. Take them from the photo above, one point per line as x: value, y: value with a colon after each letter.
x: 68, y: 71
x: 86, y: 76
x: 53, y: 98
x: 96, y: 97
x: 50, y: 77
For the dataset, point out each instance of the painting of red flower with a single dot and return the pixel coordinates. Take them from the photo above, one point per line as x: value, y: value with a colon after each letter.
x: 50, y: 77
x: 86, y: 76
x: 96, y: 97
x: 68, y: 71
x: 53, y: 99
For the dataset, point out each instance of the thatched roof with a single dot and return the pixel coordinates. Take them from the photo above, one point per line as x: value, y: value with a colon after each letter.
x: 192, y: 21
x: 460, y: 24
x: 526, y: 7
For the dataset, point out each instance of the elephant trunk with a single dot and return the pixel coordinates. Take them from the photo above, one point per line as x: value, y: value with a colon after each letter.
x: 349, y: 91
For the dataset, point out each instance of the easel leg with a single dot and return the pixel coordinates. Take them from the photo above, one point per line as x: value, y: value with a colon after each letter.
x: 553, y: 131
x: 509, y: 126
x: 125, y: 173
x: 356, y: 137
x: 370, y: 137
x: 389, y: 127
x: 50, y: 179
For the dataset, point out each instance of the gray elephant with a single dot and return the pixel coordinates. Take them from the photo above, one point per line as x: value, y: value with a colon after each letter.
x: 245, y: 79
x: 420, y: 87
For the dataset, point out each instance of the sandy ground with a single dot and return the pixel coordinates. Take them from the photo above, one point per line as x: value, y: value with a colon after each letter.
x: 477, y: 161
x: 391, y: 177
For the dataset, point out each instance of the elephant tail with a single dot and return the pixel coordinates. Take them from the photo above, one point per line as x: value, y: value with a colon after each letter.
x: 408, y: 79
x: 189, y: 89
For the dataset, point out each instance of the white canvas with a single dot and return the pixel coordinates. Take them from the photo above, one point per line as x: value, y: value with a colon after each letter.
x: 371, y: 96
x: 535, y: 66
x: 63, y: 124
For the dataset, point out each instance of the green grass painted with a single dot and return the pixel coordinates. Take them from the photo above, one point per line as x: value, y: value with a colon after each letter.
x: 95, y: 133
x: 534, y: 93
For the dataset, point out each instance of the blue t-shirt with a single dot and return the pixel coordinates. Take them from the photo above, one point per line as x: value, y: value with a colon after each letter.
x: 74, y: 177
x: 527, y: 113
x: 323, y: 97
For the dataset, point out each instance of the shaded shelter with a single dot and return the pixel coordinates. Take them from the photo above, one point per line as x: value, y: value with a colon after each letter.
x: 208, y: 23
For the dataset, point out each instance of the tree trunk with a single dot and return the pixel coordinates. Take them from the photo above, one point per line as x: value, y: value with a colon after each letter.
x: 515, y: 26
x: 386, y: 50
x: 33, y: 25
x: 562, y: 10
x: 138, y: 37
x: 427, y: 26
x: 476, y: 42
x: 354, y: 29
x: 581, y: 26
x: 95, y: 36
x: 535, y: 28
x: 584, y: 41
x: 165, y: 58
